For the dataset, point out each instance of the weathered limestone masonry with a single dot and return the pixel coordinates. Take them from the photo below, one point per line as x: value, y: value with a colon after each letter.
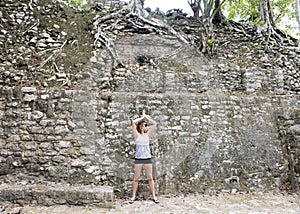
x: 207, y: 139
x: 48, y: 195
x: 107, y: 4
x: 223, y: 125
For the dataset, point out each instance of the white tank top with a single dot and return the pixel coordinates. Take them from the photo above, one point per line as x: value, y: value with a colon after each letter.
x: 142, y: 150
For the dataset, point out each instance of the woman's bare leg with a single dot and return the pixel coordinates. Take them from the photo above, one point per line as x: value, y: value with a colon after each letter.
x: 148, y: 168
x: 137, y: 174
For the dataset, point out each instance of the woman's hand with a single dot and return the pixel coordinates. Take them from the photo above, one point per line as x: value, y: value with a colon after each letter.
x: 140, y: 118
x: 153, y: 126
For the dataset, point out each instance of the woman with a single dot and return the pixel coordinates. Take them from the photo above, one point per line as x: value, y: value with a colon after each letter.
x: 142, y: 154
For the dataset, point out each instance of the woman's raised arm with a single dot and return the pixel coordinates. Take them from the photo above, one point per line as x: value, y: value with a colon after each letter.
x: 133, y: 125
x: 154, y: 124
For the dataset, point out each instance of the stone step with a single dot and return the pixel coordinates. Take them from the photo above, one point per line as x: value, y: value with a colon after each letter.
x: 100, y: 196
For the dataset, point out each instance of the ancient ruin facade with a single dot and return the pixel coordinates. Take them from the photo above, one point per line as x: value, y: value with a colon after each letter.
x: 227, y: 123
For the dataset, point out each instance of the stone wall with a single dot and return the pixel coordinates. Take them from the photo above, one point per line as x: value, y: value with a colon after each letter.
x: 207, y: 140
x: 107, y: 4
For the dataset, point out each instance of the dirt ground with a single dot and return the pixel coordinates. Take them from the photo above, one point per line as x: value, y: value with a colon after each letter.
x: 193, y: 203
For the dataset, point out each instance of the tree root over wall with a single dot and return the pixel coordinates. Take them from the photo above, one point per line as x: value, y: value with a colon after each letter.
x: 135, y: 17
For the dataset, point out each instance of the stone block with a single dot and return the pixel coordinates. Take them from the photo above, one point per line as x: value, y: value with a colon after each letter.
x: 100, y: 196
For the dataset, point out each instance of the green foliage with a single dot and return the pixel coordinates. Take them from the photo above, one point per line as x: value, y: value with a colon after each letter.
x: 282, y: 8
x: 285, y: 15
x: 210, y: 42
x: 244, y: 10
x: 84, y: 4
x: 249, y: 11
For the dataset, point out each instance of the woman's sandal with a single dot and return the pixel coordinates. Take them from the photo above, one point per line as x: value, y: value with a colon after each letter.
x: 132, y: 200
x: 155, y: 200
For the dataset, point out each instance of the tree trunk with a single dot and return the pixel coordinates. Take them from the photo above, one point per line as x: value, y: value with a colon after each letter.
x: 207, y: 15
x: 218, y: 15
x: 268, y: 27
x: 266, y: 13
x: 137, y: 8
x: 195, y: 8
